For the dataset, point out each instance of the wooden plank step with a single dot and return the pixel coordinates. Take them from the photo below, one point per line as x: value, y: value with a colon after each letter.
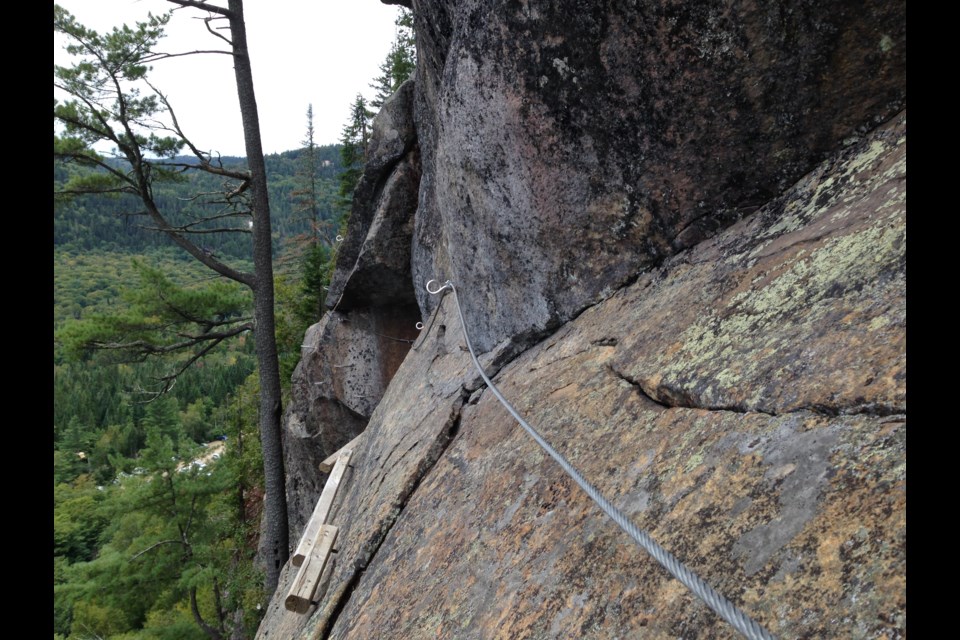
x: 322, y: 510
x: 327, y: 464
x: 300, y: 597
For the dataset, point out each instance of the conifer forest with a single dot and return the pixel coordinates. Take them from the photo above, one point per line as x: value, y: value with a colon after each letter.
x: 158, y: 461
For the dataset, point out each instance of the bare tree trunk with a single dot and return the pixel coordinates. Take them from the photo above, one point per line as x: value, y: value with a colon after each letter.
x: 275, y: 545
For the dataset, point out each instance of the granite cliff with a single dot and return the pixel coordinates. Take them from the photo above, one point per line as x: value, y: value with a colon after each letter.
x: 678, y: 233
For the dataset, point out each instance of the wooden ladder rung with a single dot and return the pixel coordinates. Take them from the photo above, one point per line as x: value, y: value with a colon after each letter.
x: 322, y: 510
x: 327, y: 464
x: 300, y: 597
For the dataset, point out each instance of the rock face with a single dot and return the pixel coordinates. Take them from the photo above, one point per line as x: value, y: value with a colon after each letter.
x: 348, y: 360
x: 679, y: 240
x: 349, y: 357
x: 744, y: 403
x: 373, y: 261
x: 569, y: 145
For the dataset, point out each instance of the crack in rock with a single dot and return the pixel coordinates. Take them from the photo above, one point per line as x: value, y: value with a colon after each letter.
x: 670, y: 397
x: 338, y: 600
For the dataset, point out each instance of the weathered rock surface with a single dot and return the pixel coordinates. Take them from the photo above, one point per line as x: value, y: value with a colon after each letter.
x: 391, y: 460
x: 744, y: 403
x: 380, y: 276
x: 348, y: 360
x: 373, y: 261
x: 568, y: 145
x: 349, y: 357
x: 785, y: 488
x: 667, y: 282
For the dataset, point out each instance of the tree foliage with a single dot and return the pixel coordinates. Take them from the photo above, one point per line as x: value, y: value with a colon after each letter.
x: 111, y: 102
x: 400, y: 61
x: 106, y: 107
x: 163, y: 318
x: 353, y: 152
x: 397, y: 67
x: 168, y: 543
x: 171, y: 542
x: 140, y: 551
x: 311, y: 251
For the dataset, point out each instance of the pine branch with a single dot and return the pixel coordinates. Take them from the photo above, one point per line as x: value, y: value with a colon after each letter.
x: 206, y: 23
x: 154, y: 546
x: 153, y: 57
x: 202, y: 231
x: 201, y: 4
x: 208, y: 260
x: 147, y: 348
x: 207, y: 629
x: 82, y: 158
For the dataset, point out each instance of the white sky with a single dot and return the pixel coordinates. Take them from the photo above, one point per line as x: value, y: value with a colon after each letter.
x: 322, y: 52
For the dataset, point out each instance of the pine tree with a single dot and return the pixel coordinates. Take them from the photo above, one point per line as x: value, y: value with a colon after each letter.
x: 315, y: 251
x: 306, y: 195
x: 112, y: 102
x: 164, y: 545
x: 163, y: 418
x: 353, y: 153
x: 400, y: 61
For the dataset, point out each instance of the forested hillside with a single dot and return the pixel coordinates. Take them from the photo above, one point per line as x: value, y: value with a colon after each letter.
x: 102, y: 223
x: 159, y: 484
x: 113, y: 433
x: 104, y: 252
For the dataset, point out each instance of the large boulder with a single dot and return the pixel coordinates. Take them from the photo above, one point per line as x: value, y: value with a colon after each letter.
x: 568, y: 146
x: 374, y: 257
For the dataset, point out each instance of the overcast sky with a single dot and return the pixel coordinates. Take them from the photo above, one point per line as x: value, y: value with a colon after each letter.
x: 322, y: 52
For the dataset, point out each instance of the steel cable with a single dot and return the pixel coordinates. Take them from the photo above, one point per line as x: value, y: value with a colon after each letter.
x: 720, y: 605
